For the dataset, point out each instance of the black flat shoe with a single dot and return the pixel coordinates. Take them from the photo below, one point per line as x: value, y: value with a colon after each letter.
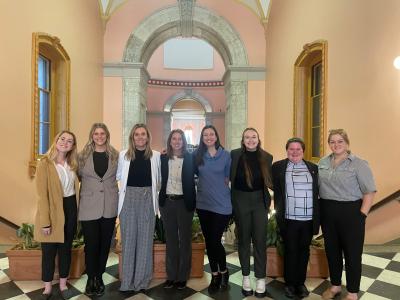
x: 99, y: 286
x: 224, y: 280
x: 168, y: 284
x: 302, y: 291
x: 215, y: 283
x: 260, y: 295
x: 90, y: 289
x: 180, y: 285
x: 65, y: 294
x: 46, y: 296
x: 247, y: 293
x: 290, y: 291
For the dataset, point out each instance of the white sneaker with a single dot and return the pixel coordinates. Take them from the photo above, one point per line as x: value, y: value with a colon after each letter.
x: 260, y: 288
x: 246, y: 286
x: 246, y: 283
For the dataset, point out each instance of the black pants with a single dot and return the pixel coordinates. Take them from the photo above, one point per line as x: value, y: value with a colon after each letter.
x: 177, y: 222
x: 97, y: 235
x: 50, y: 250
x: 297, y: 240
x: 213, y: 226
x: 343, y: 227
x: 251, y: 220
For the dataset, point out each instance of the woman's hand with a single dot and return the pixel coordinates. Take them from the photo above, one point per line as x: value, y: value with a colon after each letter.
x: 46, y: 230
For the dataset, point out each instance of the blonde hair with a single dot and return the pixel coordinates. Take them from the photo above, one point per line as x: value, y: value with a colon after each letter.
x: 340, y: 132
x: 90, y: 146
x: 71, y: 155
x: 130, y: 154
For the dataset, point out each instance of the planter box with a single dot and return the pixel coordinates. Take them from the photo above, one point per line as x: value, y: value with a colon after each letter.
x: 27, y: 264
x: 159, y: 261
x: 317, y: 263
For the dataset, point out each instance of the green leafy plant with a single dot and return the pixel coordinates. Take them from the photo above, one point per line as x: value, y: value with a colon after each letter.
x: 159, y: 233
x: 274, y: 238
x: 197, y: 235
x: 78, y: 240
x: 25, y: 233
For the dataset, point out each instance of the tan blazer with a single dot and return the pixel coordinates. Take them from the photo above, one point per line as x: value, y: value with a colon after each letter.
x: 50, y: 210
x: 98, y: 196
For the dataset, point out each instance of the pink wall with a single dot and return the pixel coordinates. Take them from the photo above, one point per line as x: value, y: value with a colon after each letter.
x: 78, y: 26
x: 362, y: 88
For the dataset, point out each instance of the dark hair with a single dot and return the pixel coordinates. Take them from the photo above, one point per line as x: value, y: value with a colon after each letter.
x: 203, y: 148
x: 261, y: 161
x: 296, y: 140
x: 170, y: 152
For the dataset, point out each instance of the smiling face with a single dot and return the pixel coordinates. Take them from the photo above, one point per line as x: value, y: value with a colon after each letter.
x: 209, y: 137
x: 99, y: 137
x: 140, y: 138
x: 65, y: 143
x: 295, y: 152
x: 250, y: 140
x: 338, y: 144
x: 176, y: 143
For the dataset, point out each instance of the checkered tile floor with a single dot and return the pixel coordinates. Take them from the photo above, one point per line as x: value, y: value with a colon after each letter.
x: 380, y: 280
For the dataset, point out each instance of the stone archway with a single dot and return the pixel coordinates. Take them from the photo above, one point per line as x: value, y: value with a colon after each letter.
x: 185, y: 94
x: 166, y: 24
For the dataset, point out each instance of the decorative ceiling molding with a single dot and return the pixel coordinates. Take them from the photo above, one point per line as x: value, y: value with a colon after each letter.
x: 260, y: 8
x: 186, y: 8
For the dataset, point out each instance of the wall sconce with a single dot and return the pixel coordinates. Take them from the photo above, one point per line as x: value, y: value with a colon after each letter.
x: 396, y: 63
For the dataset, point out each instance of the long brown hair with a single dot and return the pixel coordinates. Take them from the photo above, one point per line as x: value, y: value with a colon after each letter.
x: 203, y: 148
x: 130, y: 154
x: 266, y: 176
x: 71, y: 155
x: 170, y: 152
x: 90, y: 146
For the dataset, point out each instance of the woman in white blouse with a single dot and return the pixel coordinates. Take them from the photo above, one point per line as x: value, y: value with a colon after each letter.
x: 177, y: 201
x: 56, y: 217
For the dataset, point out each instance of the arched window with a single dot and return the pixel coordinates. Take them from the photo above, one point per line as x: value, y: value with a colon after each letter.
x: 50, y: 93
x: 310, y: 98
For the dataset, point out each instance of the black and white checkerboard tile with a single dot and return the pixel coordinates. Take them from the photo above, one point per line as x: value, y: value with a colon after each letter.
x: 380, y: 280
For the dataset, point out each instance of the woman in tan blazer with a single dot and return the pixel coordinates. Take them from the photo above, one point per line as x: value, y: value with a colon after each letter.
x: 56, y: 215
x: 98, y: 203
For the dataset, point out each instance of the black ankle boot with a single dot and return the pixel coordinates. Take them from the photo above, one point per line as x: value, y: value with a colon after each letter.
x: 99, y: 284
x: 224, y: 280
x: 215, y: 283
x: 90, y: 289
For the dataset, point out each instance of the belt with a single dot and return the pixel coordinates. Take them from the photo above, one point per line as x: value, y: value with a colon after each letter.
x: 174, y: 197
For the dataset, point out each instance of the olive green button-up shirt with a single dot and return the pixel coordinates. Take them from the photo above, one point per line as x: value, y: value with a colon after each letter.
x: 348, y: 181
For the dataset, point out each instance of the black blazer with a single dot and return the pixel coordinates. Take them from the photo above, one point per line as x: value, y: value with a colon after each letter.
x: 279, y: 182
x: 235, y: 155
x: 188, y: 186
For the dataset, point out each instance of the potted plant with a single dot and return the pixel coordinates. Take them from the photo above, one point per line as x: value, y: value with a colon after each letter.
x: 159, y: 250
x: 317, y: 263
x: 25, y: 259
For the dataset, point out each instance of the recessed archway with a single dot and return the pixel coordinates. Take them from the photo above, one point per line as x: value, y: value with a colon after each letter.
x: 165, y: 24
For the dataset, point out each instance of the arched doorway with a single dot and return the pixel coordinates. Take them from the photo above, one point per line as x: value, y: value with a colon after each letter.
x: 166, y: 24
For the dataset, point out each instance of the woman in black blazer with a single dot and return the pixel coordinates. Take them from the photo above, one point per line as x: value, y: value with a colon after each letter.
x: 177, y: 199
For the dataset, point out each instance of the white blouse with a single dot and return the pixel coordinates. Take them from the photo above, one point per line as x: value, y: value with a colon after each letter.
x: 174, y: 183
x: 67, y: 179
